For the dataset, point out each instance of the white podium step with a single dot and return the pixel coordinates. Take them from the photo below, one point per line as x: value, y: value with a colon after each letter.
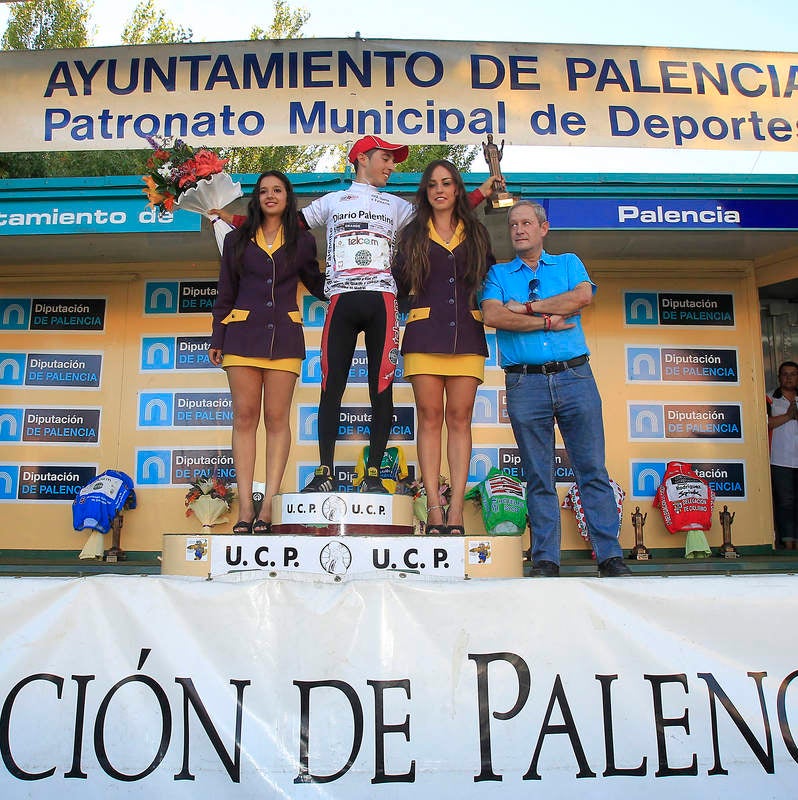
x: 342, y: 514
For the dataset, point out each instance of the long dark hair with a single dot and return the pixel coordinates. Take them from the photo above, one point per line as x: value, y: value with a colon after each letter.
x: 255, y: 219
x: 778, y: 392
x: 414, y: 242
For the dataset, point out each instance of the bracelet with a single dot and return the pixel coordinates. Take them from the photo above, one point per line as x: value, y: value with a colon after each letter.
x: 529, y: 308
x: 547, y: 322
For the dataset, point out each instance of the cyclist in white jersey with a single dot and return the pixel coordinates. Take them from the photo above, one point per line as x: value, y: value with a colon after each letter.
x: 362, y: 229
x: 362, y: 226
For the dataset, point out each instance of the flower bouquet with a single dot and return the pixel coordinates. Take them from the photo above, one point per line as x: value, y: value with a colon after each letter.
x: 181, y: 177
x: 209, y: 500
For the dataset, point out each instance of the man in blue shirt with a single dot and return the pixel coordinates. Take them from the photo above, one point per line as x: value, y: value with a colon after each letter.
x: 534, y: 303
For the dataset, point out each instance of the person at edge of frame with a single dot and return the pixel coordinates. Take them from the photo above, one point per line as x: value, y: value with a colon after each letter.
x: 783, y: 430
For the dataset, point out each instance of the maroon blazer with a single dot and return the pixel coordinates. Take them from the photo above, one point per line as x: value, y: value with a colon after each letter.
x: 256, y: 313
x: 443, y: 318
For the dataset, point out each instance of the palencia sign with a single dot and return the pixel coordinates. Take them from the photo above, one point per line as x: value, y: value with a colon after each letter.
x: 421, y: 92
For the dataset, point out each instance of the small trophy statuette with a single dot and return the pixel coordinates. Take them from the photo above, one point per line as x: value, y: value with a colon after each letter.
x: 500, y: 198
x: 115, y: 552
x: 727, y: 549
x: 639, y: 551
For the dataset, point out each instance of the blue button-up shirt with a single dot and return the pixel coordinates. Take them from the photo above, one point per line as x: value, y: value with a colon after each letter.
x: 510, y: 281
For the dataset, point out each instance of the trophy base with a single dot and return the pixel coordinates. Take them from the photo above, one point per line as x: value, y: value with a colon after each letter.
x: 499, y: 201
x: 642, y: 555
x: 729, y: 551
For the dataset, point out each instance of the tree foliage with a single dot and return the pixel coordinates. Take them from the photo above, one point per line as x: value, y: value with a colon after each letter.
x: 47, y: 24
x: 70, y: 163
x: 461, y: 155
x: 148, y: 24
x: 288, y: 158
x: 287, y: 23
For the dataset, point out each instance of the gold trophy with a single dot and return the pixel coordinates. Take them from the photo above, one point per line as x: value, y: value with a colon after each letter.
x: 500, y: 198
x: 639, y: 551
x: 727, y: 549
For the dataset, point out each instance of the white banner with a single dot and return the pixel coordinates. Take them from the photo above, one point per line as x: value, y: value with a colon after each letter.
x: 442, y: 556
x: 146, y: 687
x: 303, y: 91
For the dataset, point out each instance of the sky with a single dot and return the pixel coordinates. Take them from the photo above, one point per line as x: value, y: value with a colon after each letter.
x: 769, y: 25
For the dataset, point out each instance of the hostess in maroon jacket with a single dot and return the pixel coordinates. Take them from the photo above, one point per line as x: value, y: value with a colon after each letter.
x: 443, y: 317
x: 256, y: 313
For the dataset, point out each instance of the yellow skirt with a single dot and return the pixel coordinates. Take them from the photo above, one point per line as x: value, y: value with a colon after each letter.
x: 470, y: 366
x: 281, y: 364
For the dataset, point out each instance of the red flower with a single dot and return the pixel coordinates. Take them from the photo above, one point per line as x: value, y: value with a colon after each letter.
x: 206, y: 163
x: 187, y: 177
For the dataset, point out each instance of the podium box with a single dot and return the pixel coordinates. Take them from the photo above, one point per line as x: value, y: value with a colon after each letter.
x: 343, y: 534
x: 342, y: 514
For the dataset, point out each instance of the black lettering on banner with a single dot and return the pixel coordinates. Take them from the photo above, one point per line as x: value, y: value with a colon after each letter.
x: 568, y: 727
x: 5, y: 719
x: 80, y: 714
x: 231, y: 765
x: 765, y: 757
x: 784, y: 724
x: 482, y: 661
x: 609, y: 739
x: 305, y: 688
x: 662, y: 722
x: 381, y: 728
x: 166, y: 728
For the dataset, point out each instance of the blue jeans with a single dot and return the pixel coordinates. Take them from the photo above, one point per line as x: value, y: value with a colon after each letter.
x: 571, y: 397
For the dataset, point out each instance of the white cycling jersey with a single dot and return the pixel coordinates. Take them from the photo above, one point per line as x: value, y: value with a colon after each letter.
x: 362, y: 227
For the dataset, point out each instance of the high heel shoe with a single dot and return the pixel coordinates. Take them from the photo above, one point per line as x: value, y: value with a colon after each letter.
x: 436, y: 528
x: 455, y: 530
x: 242, y: 528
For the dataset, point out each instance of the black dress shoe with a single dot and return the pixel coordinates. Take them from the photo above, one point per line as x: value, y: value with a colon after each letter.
x: 545, y: 569
x: 613, y: 568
